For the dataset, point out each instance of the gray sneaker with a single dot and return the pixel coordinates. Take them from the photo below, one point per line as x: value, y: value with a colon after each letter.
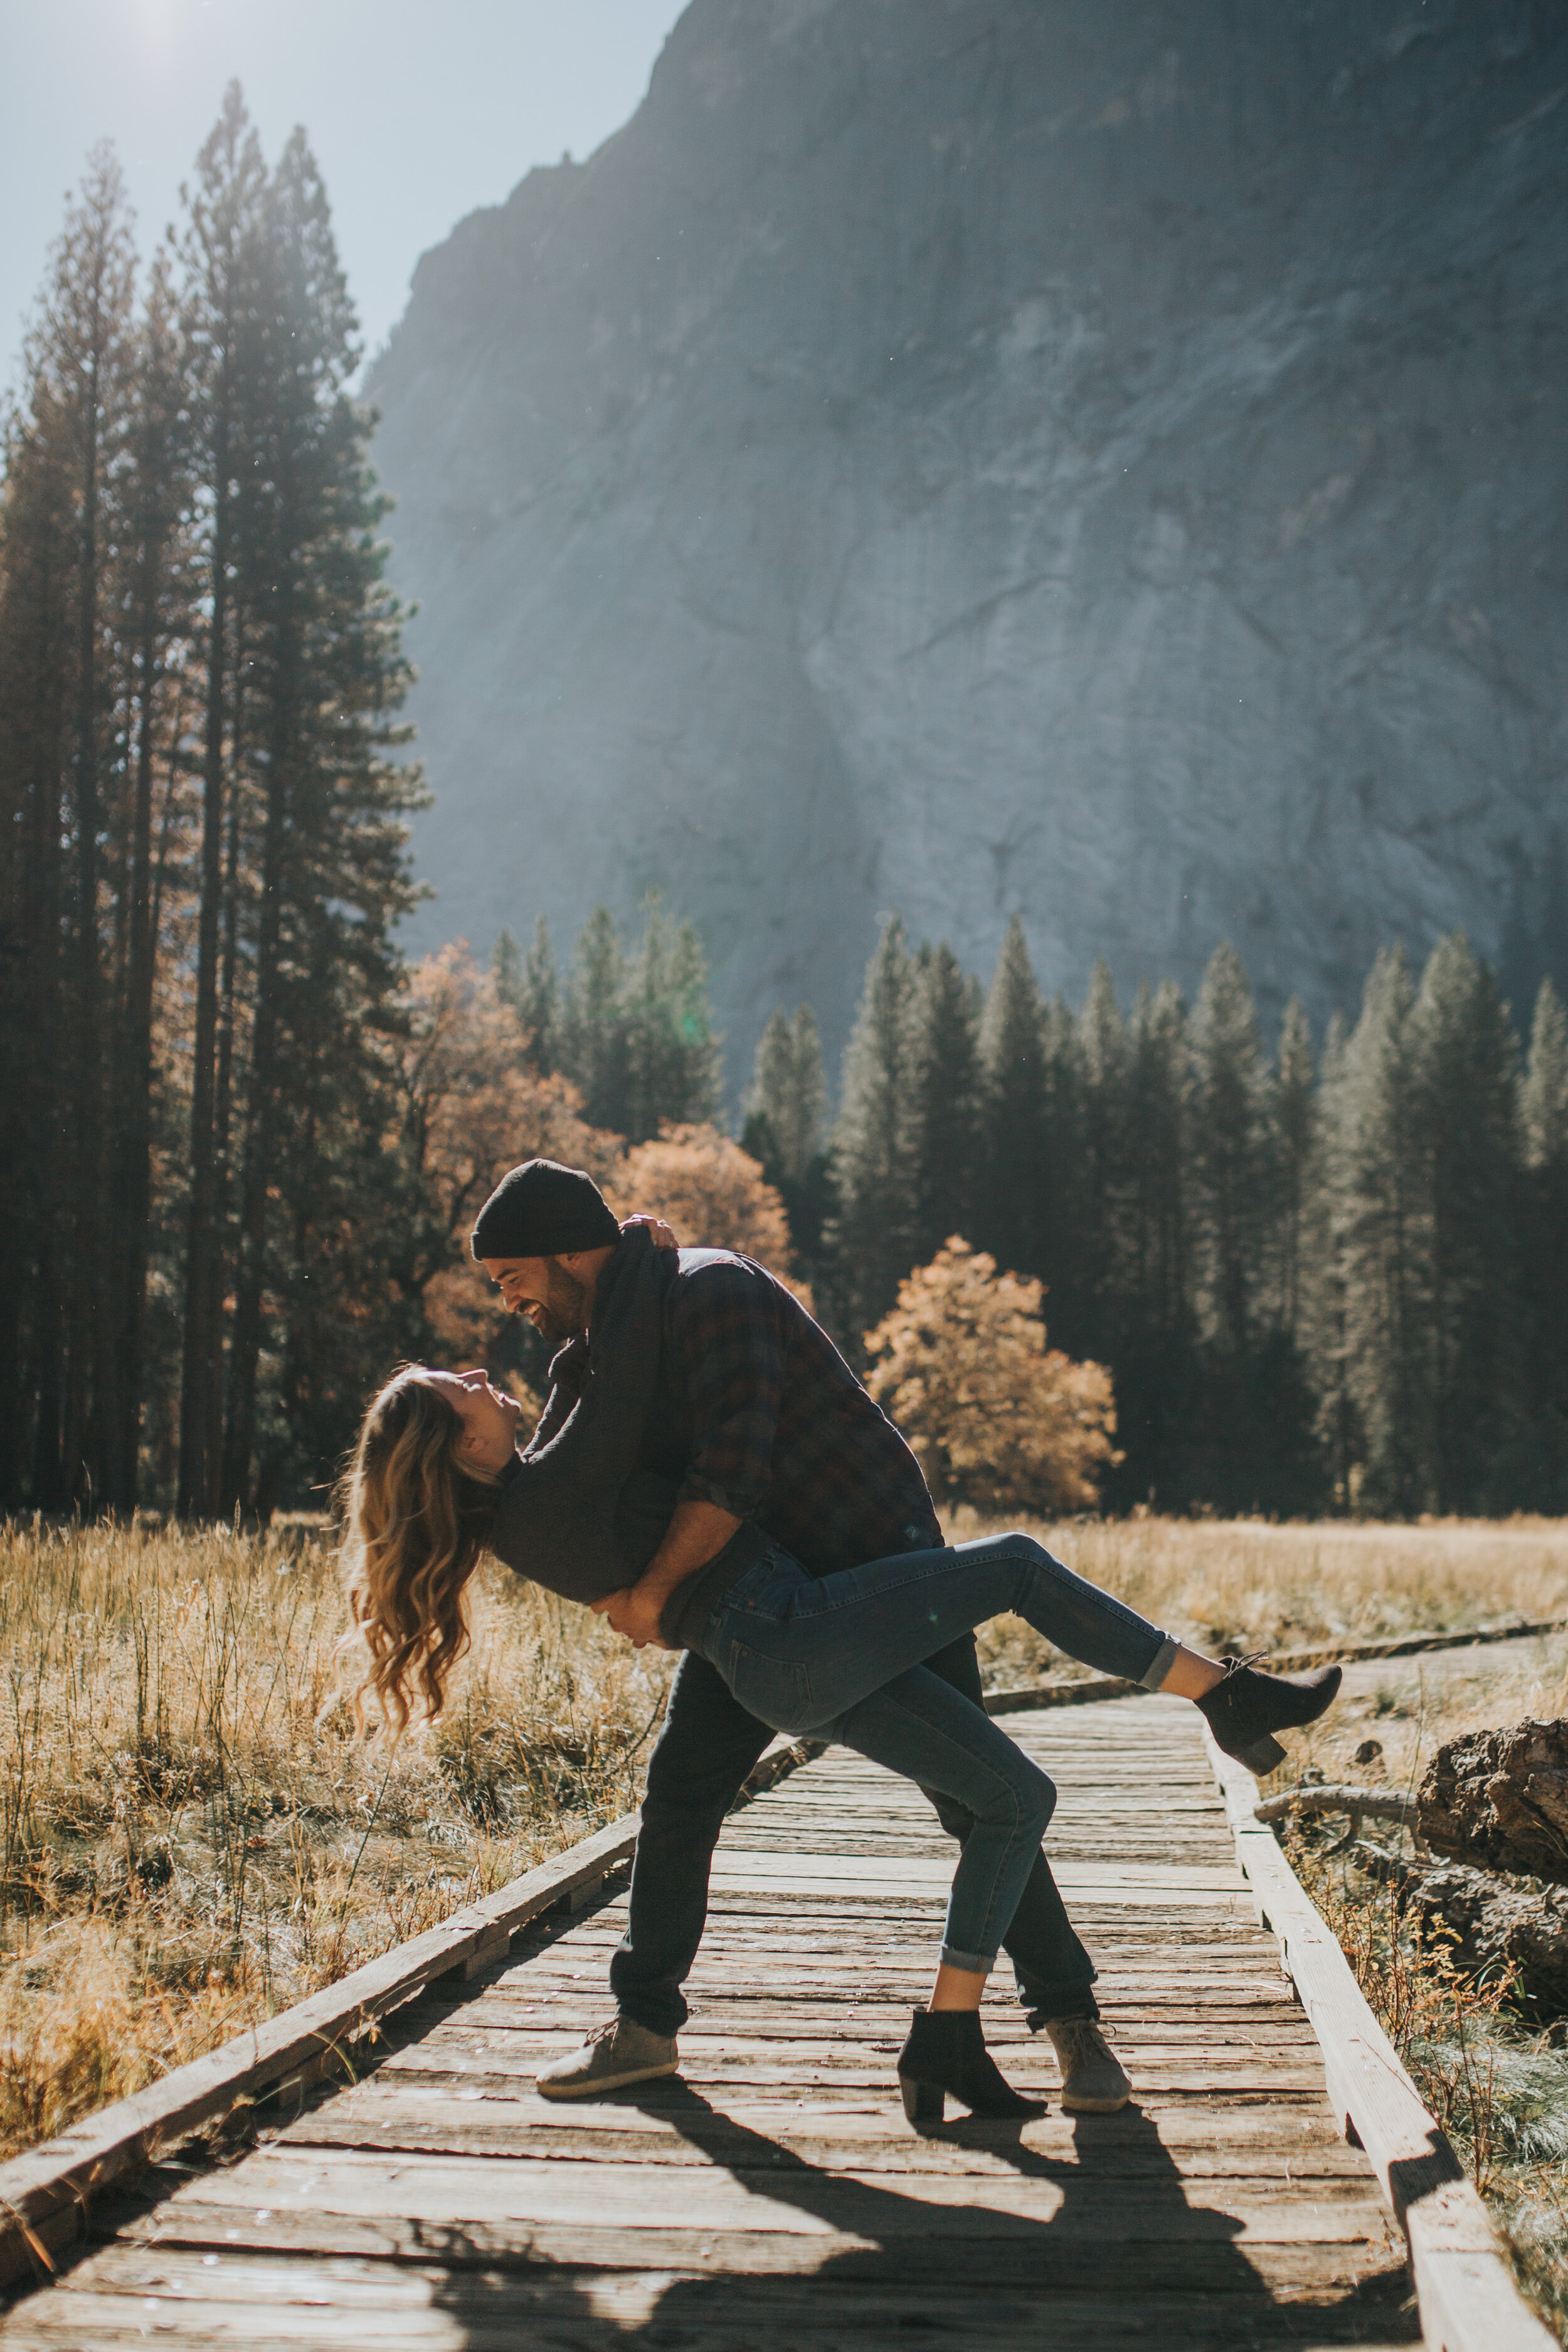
x: 1093, y: 2083
x: 617, y: 2053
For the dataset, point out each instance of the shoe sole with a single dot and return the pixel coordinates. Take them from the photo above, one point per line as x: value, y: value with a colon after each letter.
x: 548, y: 2090
x: 1094, y: 2106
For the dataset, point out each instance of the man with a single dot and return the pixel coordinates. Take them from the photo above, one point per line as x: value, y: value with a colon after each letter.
x: 768, y: 1432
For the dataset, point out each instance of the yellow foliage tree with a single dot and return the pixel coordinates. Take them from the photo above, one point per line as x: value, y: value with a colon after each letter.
x: 713, y: 1194
x: 998, y: 1420
x: 476, y: 1107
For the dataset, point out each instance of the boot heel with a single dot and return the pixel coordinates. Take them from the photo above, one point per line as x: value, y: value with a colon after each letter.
x: 1263, y: 1756
x: 924, y: 2103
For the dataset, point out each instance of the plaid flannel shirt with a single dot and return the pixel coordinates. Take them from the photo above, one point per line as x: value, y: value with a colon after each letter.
x: 758, y: 1412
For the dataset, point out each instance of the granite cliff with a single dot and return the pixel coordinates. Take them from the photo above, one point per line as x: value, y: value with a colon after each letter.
x: 974, y: 455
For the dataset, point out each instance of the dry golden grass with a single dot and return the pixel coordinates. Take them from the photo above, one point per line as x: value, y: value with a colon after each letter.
x: 188, y: 1843
x: 1247, y: 1585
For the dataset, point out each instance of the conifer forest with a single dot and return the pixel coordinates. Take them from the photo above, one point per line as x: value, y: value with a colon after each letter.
x: 246, y: 1134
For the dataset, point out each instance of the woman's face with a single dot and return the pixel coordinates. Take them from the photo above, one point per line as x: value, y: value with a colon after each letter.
x: 489, y: 1418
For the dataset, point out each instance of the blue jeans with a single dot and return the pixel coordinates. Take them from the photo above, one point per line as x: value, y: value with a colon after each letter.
x: 708, y: 1744
x: 839, y: 1655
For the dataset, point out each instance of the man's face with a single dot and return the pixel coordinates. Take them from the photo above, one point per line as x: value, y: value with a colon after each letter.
x: 556, y: 1301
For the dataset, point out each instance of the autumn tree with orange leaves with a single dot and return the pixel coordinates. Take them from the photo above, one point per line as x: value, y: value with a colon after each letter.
x: 474, y: 1106
x: 713, y: 1194
x: 999, y: 1420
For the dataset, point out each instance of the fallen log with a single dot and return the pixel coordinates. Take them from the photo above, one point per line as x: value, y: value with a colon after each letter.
x: 1498, y: 1800
x: 1488, y: 1926
x: 1328, y: 1797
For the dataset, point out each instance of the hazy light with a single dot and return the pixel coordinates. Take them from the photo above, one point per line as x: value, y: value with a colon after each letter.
x: 418, y: 110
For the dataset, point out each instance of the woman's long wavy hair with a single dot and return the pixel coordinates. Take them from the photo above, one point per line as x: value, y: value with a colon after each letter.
x: 416, y: 1524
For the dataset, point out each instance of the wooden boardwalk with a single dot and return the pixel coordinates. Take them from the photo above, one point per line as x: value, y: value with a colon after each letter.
x: 777, y: 2195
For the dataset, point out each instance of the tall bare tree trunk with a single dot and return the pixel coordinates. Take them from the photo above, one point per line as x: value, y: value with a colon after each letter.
x: 196, y: 1464
x: 221, y: 247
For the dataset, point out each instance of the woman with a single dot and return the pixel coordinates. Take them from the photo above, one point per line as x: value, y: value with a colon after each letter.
x: 437, y: 1481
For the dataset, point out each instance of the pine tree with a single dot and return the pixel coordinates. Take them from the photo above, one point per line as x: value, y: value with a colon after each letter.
x: 326, y: 674
x: 1294, y: 1118
x: 635, y: 1035
x: 1010, y: 1173
x: 1540, y: 1470
x: 1159, y: 1087
x: 1147, y: 1309
x: 531, y: 986
x: 1543, y: 1097
x: 156, y: 607
x: 1232, y: 1159
x: 782, y: 1112
x: 223, y: 303
x: 673, y: 1055
x: 1324, y: 1301
x: 539, y: 1001
x: 875, y: 1170
x: 786, y: 1101
x: 505, y: 969
x: 1384, y: 1177
x: 1554, y: 910
x: 595, y: 1047
x: 1101, y: 1059
x: 65, y: 461
x: 945, y: 1081
x: 1465, y: 1061
x: 85, y: 343
x: 1067, y: 1212
x: 35, y: 638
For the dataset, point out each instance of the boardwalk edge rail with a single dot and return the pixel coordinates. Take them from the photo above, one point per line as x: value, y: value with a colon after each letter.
x: 45, y: 2193
x: 1465, y: 2289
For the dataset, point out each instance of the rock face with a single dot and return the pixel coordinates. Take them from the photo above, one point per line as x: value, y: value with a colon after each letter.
x: 974, y: 455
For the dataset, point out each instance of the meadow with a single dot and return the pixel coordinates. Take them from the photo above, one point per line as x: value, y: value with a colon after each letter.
x: 1249, y: 1585
x: 193, y: 1834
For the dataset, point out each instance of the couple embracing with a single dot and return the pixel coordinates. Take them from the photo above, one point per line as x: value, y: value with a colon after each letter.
x: 711, y: 1476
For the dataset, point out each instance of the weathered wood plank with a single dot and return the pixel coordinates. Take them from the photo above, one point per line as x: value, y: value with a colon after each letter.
x: 450, y: 2191
x: 1468, y: 2298
x: 1005, y: 2249
x: 270, y: 2300
x: 44, y: 2194
x: 778, y: 2195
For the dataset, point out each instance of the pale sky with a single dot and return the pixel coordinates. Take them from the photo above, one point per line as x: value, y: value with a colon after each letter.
x: 418, y: 110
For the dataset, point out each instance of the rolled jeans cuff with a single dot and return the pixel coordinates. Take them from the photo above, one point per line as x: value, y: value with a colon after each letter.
x: 1153, y: 1675
x: 974, y: 1964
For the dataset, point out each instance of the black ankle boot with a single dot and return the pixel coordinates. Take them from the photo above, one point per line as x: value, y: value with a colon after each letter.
x: 1247, y: 1706
x: 946, y: 2052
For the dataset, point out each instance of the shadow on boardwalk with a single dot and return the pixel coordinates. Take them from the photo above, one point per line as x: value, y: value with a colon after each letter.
x: 1151, y: 2268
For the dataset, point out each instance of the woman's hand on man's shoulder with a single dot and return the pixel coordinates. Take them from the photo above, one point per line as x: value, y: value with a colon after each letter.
x: 661, y: 1234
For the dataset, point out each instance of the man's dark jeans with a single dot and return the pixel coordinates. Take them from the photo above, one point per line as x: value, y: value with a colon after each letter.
x: 708, y: 1744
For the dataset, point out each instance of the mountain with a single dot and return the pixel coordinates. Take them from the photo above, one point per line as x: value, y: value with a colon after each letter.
x: 975, y: 456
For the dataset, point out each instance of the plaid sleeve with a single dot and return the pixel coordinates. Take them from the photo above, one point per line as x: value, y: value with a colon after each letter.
x: 728, y: 1333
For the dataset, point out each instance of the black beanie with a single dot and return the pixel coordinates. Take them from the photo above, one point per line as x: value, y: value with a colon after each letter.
x: 542, y: 1210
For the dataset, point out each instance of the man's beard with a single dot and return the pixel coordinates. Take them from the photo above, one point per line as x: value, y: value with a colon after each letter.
x: 564, y: 1309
